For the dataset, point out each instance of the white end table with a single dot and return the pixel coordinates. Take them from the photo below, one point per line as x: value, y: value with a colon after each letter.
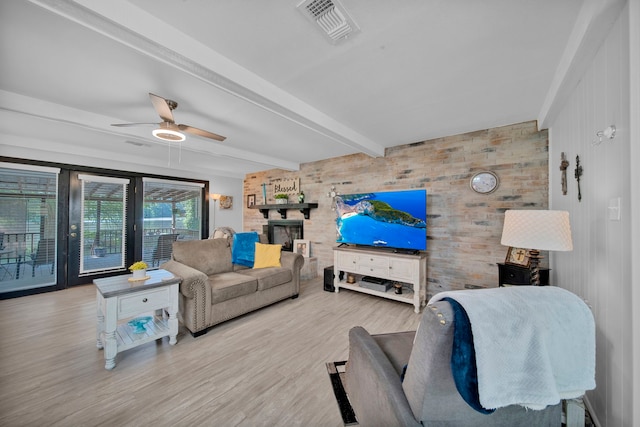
x: 119, y: 298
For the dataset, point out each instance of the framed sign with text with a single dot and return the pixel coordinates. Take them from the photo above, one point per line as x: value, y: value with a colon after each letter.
x: 290, y: 187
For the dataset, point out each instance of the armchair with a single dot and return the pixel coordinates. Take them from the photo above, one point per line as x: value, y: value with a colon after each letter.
x: 406, y: 379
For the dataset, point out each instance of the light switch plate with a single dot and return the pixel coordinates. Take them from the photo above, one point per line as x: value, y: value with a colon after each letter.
x: 614, y: 209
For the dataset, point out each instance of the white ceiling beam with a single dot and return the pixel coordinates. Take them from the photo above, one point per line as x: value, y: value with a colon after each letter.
x: 594, y: 22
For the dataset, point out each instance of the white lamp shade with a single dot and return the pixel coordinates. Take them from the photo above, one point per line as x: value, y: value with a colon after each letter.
x: 537, y: 229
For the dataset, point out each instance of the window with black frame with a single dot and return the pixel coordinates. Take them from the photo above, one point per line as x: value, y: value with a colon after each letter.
x: 172, y: 211
x: 28, y: 226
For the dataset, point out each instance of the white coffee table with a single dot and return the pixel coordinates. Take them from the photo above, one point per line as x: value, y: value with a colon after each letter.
x: 119, y: 298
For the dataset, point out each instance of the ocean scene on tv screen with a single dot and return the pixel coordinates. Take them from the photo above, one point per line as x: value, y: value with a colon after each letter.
x: 393, y: 219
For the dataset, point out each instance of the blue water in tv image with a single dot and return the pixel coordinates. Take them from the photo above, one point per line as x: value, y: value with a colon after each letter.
x: 392, y: 219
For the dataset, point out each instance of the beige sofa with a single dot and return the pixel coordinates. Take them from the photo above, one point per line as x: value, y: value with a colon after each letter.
x: 214, y: 290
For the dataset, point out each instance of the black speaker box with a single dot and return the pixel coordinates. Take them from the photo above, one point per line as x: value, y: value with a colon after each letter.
x: 328, y: 279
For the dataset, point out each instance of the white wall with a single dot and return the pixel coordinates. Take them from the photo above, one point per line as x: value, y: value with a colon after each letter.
x: 634, y: 158
x: 599, y: 268
x: 226, y: 217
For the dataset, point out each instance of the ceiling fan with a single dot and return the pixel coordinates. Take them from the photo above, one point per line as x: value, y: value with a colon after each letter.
x: 168, y: 130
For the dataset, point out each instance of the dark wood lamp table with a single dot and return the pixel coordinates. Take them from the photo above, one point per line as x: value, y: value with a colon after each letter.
x: 509, y: 275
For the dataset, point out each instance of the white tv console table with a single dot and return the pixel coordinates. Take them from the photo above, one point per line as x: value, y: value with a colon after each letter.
x: 383, y: 264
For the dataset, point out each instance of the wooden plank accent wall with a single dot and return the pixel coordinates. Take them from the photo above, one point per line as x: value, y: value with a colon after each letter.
x: 463, y: 228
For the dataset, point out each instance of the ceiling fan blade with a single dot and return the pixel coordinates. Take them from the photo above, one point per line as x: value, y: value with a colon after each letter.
x: 162, y: 107
x: 133, y: 124
x: 200, y: 132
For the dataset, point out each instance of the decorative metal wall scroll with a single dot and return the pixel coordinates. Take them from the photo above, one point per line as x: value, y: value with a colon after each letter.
x: 578, y: 174
x: 564, y: 164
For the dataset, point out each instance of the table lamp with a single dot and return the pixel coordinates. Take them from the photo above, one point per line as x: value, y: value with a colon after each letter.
x: 537, y: 230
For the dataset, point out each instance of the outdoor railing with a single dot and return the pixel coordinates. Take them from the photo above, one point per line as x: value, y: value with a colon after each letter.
x: 26, y: 244
x: 22, y: 243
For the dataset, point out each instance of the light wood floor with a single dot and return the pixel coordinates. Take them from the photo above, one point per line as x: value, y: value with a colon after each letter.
x: 264, y: 369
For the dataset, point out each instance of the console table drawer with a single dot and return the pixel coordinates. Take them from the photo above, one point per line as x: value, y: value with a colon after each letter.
x: 372, y: 265
x: 373, y: 270
x: 369, y: 265
x: 373, y: 261
x: 142, y: 301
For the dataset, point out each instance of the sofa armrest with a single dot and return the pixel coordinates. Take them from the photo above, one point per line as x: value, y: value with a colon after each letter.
x: 192, y: 280
x: 373, y: 385
x: 292, y: 260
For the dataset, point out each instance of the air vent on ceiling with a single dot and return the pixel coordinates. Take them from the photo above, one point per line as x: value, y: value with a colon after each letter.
x: 331, y: 17
x: 136, y: 143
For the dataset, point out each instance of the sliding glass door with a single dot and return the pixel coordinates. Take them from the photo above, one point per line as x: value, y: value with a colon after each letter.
x: 102, y: 230
x: 28, y: 227
x: 62, y: 226
x: 99, y: 208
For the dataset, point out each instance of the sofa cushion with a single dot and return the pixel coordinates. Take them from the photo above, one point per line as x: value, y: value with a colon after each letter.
x: 267, y: 256
x: 210, y: 256
x: 226, y: 286
x: 269, y: 277
x: 243, y: 248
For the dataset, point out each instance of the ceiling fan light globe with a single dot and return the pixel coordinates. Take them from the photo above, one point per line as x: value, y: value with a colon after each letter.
x: 168, y: 135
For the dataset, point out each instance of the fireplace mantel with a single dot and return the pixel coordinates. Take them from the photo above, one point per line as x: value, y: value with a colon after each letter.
x: 305, y: 208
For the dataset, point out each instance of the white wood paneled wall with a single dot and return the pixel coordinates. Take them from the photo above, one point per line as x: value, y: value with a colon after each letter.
x: 599, y: 268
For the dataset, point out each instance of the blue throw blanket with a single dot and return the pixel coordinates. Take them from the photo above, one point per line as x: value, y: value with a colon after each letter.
x: 463, y: 358
x: 244, y: 248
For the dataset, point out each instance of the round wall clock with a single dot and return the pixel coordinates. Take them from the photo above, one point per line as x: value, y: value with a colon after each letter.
x: 484, y: 182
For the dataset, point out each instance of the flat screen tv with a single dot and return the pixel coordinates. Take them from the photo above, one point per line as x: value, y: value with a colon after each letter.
x: 390, y: 219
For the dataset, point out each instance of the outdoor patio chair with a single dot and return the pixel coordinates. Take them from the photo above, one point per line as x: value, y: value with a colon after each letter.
x: 163, y: 249
x: 45, y: 254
